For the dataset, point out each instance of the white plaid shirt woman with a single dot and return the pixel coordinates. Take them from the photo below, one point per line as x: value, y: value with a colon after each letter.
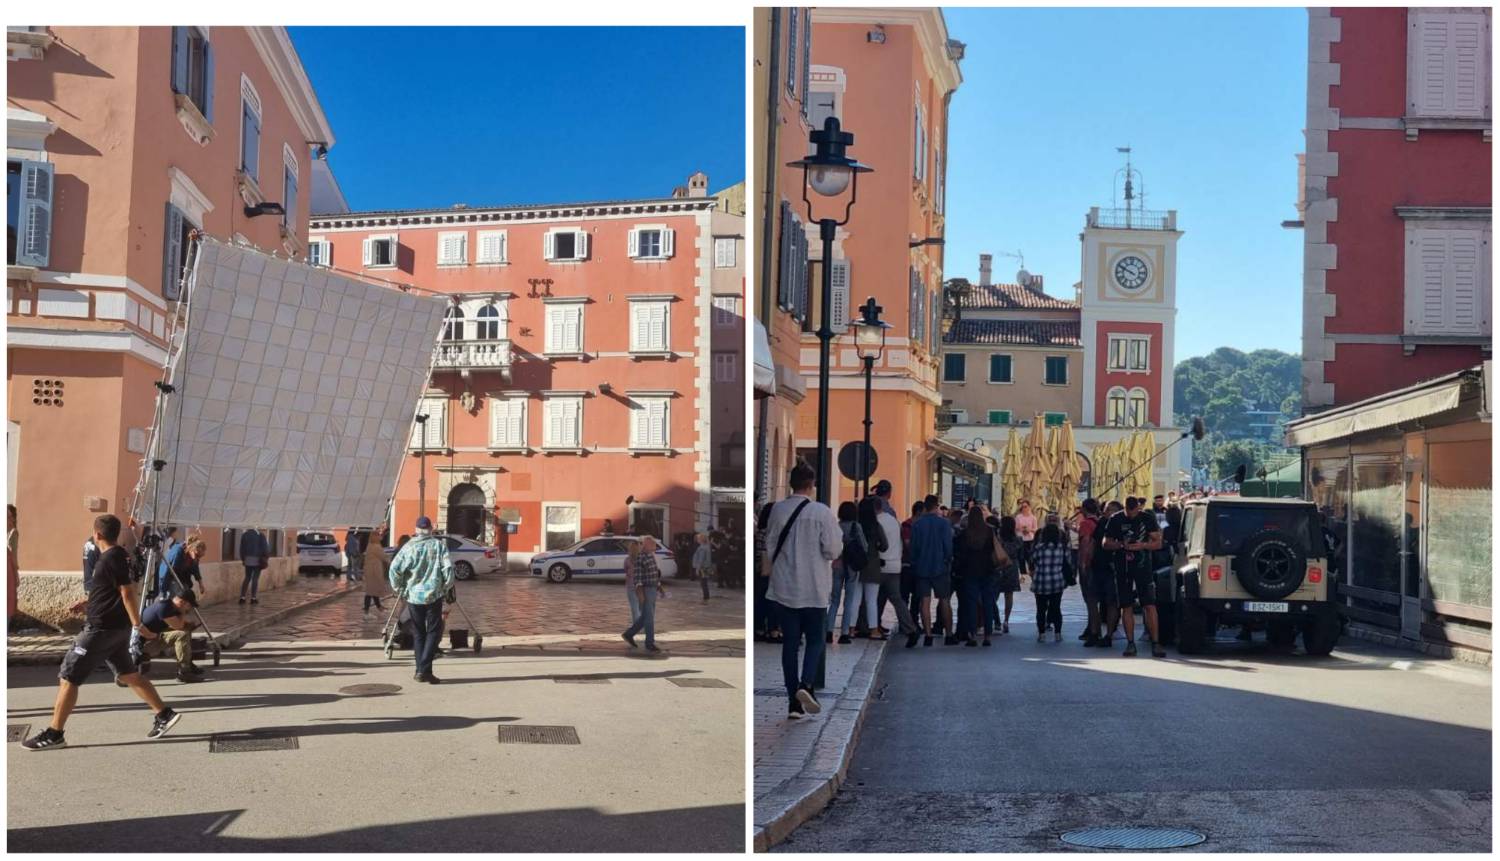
x: 1050, y: 560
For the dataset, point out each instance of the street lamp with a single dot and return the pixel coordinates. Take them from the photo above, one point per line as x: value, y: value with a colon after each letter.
x: 828, y: 171
x: 422, y: 465
x: 869, y: 342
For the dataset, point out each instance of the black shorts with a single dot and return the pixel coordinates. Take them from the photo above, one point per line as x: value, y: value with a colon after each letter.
x: 941, y: 586
x: 97, y: 646
x: 1103, y: 587
x: 1136, y: 583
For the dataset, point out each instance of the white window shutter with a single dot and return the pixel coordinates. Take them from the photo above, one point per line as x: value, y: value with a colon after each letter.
x: 35, y: 244
x: 640, y: 329
x: 554, y: 329
x: 437, y: 424
x: 553, y: 410
x: 1469, y: 67
x: 572, y: 419
x: 518, y: 422
x: 632, y: 243
x: 548, y: 246
x: 658, y: 317
x: 365, y: 251
x: 498, y: 409
x: 668, y: 242
x: 462, y: 243
x: 502, y: 243
x: 840, y: 307
x: 581, y: 246
x: 1465, y: 266
x: 574, y: 332
x: 656, y: 415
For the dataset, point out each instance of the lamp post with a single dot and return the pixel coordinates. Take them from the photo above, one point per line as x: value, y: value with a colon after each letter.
x: 869, y: 341
x: 422, y: 465
x: 828, y: 172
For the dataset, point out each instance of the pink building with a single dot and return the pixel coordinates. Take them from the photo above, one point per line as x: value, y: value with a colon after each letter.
x: 121, y: 140
x: 573, y: 383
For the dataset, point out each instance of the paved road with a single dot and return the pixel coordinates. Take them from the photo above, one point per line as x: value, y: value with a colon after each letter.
x: 659, y: 766
x: 1003, y: 749
x: 523, y: 606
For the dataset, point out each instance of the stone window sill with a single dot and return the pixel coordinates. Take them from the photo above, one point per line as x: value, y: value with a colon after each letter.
x: 193, y: 121
x: 1414, y: 125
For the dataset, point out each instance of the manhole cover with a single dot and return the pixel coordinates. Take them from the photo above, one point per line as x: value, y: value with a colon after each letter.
x: 369, y: 690
x: 700, y: 683
x: 579, y: 680
x: 1131, y: 837
x: 522, y: 734
x: 771, y: 692
x: 16, y: 732
x: 247, y: 742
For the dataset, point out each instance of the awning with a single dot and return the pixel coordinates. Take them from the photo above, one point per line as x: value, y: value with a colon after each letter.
x: 978, y: 460
x: 765, y: 366
x: 1403, y: 405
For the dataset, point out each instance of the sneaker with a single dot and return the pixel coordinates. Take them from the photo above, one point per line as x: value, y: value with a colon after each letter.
x: 242, y: 600
x: 809, y: 701
x: 188, y: 678
x: 1057, y: 637
x: 651, y: 647
x: 794, y: 710
x: 1157, y: 651
x: 844, y: 640
x: 430, y: 679
x: 163, y: 723
x: 629, y: 639
x: 1130, y: 649
x: 47, y: 739
x: 195, y: 669
x: 911, y: 640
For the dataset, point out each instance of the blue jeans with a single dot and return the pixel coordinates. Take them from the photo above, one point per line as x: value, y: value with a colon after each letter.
x: 635, y: 604
x: 847, y: 582
x: 798, y: 623
x: 251, y: 582
x: 647, y: 618
x: 427, y: 625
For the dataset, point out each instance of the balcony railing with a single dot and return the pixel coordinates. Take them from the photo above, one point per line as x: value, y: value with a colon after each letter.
x: 1133, y: 219
x: 476, y: 354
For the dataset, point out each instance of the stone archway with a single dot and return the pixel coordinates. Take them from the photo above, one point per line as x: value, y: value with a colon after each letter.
x: 481, y: 479
x: 466, y: 511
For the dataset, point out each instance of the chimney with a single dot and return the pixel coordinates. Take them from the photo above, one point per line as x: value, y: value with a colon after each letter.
x: 1036, y: 284
x: 698, y: 185
x: 984, y: 269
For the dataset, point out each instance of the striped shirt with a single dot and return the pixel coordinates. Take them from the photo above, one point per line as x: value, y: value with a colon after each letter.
x: 422, y: 571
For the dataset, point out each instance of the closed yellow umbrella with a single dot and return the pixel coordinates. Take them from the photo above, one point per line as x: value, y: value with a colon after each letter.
x: 1010, y: 473
x: 1145, y: 451
x: 1065, y: 469
x: 1034, y: 465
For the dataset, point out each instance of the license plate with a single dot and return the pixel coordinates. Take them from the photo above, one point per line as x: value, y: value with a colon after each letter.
x: 1266, y: 606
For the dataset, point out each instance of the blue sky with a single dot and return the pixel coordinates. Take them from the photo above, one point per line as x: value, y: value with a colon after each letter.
x: 1213, y: 103
x: 433, y: 116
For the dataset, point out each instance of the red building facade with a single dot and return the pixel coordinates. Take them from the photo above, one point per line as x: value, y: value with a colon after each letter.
x: 1397, y: 194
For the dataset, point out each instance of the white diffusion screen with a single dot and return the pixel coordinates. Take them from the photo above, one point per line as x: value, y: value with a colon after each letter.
x: 295, y: 392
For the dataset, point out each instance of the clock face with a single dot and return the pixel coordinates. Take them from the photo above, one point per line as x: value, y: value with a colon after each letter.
x: 1131, y: 272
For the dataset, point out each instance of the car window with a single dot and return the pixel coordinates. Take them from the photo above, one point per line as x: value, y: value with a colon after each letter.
x: 1234, y: 525
x: 1186, y: 532
x: 316, y: 539
x: 454, y: 544
x: 605, y: 546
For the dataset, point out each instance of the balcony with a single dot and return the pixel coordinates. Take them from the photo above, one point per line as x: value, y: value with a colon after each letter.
x: 489, y: 354
x: 1133, y: 219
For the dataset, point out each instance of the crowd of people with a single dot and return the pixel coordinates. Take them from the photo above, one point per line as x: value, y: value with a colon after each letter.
x: 948, y: 572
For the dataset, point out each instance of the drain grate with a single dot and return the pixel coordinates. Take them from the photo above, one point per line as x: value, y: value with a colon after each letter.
x: 580, y: 680
x: 779, y: 693
x: 523, y: 734
x: 248, y: 742
x: 700, y: 683
x: 369, y: 690
x: 1131, y: 837
x: 16, y: 732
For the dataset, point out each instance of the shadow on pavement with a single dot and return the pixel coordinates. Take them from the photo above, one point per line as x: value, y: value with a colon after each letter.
x: 226, y: 702
x: 331, y: 726
x: 717, y: 828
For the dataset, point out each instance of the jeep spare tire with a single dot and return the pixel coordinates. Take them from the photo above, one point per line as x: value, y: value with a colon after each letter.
x: 1270, y: 565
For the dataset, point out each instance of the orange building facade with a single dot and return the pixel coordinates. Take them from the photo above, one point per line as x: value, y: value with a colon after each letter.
x: 572, y: 386
x: 120, y: 141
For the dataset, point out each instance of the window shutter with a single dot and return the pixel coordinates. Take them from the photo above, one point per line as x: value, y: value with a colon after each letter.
x: 499, y: 410
x: 1433, y: 77
x: 656, y: 414
x: 804, y: 272
x: 1469, y: 68
x: 784, y: 292
x: 571, y: 422
x: 840, y: 305
x: 35, y: 246
x: 517, y: 422
x: 913, y: 305
x: 807, y: 32
x: 365, y: 251
x: 208, y: 81
x: 437, y: 425
x: 1464, y: 263
x: 791, y: 50
x: 581, y: 245
x: 632, y: 243
x: 573, y: 321
x: 171, y: 267
x: 289, y: 218
x: 180, y: 54
x: 668, y: 242
x: 502, y: 250
x: 548, y: 246
x: 554, y: 329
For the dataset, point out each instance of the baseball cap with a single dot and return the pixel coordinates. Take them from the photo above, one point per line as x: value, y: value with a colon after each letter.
x: 424, y: 523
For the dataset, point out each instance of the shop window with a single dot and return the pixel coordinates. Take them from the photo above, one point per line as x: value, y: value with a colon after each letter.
x: 1375, y: 530
x: 1458, y: 523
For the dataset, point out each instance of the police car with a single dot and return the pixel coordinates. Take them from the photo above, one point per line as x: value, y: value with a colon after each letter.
x: 469, y: 557
x: 318, y: 551
x: 601, y: 556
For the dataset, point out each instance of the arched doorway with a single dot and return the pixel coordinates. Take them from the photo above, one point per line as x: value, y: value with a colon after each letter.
x: 466, y: 509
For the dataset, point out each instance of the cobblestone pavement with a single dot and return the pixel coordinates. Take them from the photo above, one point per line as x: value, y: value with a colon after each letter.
x: 227, y: 621
x: 529, y: 614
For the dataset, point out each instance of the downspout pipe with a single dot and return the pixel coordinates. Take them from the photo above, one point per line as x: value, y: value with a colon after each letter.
x: 768, y: 197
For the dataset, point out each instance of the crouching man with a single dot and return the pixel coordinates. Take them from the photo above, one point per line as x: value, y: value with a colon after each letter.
x: 108, y: 619
x: 166, y: 621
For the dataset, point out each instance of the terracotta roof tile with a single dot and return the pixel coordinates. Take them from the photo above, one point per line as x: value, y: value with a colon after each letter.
x: 1012, y: 296
x: 1041, y: 333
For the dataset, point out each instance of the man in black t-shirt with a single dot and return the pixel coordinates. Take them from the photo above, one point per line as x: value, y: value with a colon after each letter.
x: 168, y: 619
x: 109, y: 616
x: 1132, y: 536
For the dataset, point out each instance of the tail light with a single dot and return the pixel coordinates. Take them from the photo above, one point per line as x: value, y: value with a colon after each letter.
x: 1315, y: 575
x: 1216, y: 572
x: 489, y: 554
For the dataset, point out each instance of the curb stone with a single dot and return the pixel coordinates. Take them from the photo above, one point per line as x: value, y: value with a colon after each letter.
x: 814, y: 787
x: 1436, y: 650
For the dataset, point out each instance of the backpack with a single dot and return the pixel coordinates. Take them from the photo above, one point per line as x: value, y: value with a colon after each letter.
x: 855, y: 554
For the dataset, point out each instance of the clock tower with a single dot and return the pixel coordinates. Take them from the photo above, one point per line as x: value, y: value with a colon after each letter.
x: 1128, y: 306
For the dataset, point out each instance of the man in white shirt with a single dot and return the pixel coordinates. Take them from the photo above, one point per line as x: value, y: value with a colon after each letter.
x: 890, y: 563
x: 803, y: 538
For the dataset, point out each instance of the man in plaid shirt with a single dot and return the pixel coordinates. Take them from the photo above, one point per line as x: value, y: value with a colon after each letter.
x: 647, y: 588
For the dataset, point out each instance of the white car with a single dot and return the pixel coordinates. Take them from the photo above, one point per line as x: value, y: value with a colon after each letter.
x: 601, y: 556
x: 318, y: 551
x: 469, y: 557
